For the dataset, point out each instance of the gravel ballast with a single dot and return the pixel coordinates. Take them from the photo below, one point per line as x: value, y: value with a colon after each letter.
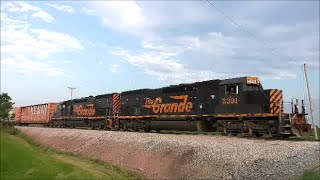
x: 172, y: 156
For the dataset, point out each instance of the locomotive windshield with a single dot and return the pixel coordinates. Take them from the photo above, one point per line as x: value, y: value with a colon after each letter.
x: 232, y: 89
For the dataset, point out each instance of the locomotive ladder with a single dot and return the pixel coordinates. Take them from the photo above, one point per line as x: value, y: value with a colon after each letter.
x: 287, y: 123
x: 284, y: 122
x: 116, y: 121
x: 116, y: 108
x: 294, y: 120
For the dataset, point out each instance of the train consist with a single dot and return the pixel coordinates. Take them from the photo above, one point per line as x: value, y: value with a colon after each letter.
x: 231, y: 106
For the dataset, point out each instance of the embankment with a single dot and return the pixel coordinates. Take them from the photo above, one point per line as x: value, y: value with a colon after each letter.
x: 172, y: 156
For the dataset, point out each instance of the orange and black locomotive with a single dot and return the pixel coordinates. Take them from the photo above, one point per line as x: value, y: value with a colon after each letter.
x: 231, y: 106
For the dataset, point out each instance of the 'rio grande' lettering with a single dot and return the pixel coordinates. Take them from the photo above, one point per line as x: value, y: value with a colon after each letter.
x: 89, y: 111
x: 158, y: 107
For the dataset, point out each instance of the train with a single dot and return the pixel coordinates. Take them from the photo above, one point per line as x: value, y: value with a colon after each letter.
x: 230, y: 106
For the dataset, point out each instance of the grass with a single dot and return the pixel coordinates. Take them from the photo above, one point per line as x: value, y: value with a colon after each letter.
x: 22, y: 158
x: 311, y: 174
x: 308, y: 136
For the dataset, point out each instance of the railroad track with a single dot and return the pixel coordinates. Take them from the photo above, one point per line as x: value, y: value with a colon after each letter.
x: 245, y: 136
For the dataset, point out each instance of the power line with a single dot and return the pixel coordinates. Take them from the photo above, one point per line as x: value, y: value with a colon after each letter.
x: 242, y: 28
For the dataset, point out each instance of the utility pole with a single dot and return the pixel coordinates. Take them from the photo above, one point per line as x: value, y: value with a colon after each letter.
x: 71, y: 89
x: 310, y: 102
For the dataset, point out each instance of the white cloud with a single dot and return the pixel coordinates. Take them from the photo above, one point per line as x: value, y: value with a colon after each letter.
x: 64, y: 8
x: 128, y: 13
x: 24, y: 7
x: 316, y: 107
x: 68, y: 76
x: 146, y: 19
x: 36, y: 42
x: 43, y: 15
x: 23, y: 65
x: 118, y: 51
x: 209, y: 56
x: 114, y: 68
x: 166, y: 54
x: 25, y: 49
x: 87, y: 11
x: 67, y: 61
x: 19, y: 7
x: 298, y: 42
x: 120, y: 15
x: 162, y: 66
x: 273, y: 30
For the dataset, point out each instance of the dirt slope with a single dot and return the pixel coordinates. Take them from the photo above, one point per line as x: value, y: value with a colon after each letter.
x: 167, y: 156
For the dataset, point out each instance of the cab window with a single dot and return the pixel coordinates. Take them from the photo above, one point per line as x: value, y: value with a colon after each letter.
x: 232, y: 89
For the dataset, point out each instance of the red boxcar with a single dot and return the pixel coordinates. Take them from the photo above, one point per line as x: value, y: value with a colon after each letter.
x: 35, y: 114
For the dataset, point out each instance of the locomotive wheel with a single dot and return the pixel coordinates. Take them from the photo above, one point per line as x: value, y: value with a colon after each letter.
x: 286, y: 136
x: 257, y: 134
x: 92, y: 125
x: 135, y: 128
x: 147, y: 129
x: 203, y: 126
x: 224, y: 131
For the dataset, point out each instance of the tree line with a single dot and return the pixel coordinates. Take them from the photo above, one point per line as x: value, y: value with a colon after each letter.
x: 6, y: 107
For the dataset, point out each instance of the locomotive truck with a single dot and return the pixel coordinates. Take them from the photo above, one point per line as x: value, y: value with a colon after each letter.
x: 231, y: 106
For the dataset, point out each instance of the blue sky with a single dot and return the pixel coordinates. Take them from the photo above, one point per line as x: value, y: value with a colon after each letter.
x: 111, y: 46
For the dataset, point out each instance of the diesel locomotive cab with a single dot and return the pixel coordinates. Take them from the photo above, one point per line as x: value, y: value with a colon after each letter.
x: 245, y: 107
x: 241, y: 95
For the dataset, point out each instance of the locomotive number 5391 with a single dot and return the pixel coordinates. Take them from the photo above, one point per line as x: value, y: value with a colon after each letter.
x: 230, y: 100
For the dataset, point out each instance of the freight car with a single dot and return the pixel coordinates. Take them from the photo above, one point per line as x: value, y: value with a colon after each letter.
x: 35, y: 114
x: 232, y: 106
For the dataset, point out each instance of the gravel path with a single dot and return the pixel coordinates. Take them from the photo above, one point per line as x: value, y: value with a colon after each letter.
x: 186, y: 156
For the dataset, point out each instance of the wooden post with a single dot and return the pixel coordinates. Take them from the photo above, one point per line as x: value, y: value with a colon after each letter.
x: 310, y: 103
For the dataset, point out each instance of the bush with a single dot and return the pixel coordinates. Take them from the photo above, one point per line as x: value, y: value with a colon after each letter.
x: 9, y: 128
x: 13, y: 131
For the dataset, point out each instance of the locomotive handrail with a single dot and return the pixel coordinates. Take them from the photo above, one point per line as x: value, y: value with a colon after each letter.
x: 280, y: 114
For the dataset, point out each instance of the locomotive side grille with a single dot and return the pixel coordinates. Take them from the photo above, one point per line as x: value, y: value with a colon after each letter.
x: 116, y: 103
x: 276, y: 101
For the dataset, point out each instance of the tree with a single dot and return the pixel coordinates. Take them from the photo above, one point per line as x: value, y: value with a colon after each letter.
x: 5, y: 107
